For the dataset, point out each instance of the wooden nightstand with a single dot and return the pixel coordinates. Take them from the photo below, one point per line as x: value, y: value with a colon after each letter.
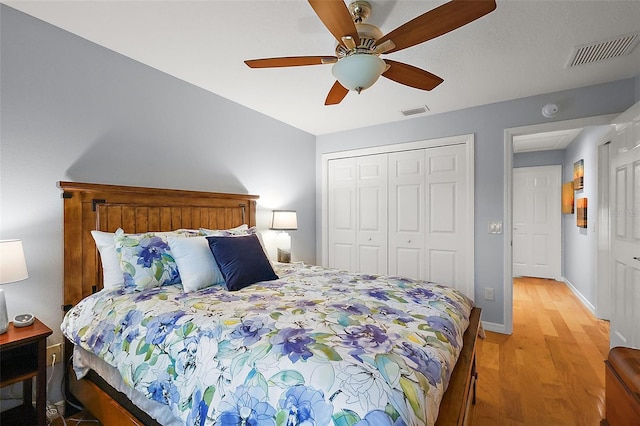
x: 23, y: 353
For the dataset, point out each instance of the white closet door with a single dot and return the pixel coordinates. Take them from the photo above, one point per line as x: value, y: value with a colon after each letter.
x: 342, y: 213
x: 446, y: 227
x: 406, y: 214
x: 372, y: 214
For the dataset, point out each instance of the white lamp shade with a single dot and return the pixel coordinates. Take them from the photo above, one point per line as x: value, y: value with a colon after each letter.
x: 12, y: 264
x: 284, y: 220
x: 359, y: 71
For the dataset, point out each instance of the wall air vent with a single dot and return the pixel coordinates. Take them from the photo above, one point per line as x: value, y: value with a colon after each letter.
x: 414, y: 111
x: 604, y: 49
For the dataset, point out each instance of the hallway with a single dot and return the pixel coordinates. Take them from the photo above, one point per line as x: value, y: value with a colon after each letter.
x: 551, y: 370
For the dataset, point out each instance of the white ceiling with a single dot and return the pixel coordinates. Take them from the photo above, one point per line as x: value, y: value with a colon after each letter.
x: 518, y: 50
x: 559, y: 139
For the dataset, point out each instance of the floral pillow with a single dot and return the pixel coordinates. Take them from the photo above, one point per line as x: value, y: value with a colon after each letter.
x: 146, y: 260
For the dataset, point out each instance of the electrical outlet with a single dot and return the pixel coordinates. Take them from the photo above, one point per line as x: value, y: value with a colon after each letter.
x: 488, y: 293
x: 54, y: 349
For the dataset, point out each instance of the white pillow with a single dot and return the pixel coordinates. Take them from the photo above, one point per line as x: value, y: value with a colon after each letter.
x: 238, y: 230
x: 111, y: 272
x: 197, y: 267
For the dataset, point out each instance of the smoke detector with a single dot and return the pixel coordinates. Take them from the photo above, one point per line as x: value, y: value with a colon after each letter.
x: 550, y: 110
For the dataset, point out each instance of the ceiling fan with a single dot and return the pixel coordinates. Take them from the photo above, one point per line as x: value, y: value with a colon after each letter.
x: 357, y: 63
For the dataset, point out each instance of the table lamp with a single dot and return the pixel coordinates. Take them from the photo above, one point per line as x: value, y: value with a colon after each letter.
x: 12, y: 268
x: 284, y: 220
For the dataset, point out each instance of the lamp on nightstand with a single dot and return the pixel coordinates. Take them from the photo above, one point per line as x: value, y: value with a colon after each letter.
x: 284, y: 220
x: 12, y: 268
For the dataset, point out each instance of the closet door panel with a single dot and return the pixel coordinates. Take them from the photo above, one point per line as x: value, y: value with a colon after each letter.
x: 371, y: 206
x: 443, y: 266
x: 442, y: 217
x: 406, y: 213
x: 408, y: 262
x: 342, y: 213
x: 446, y: 231
x: 342, y: 257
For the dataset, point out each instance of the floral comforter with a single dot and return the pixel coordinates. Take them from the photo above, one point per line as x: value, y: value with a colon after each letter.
x: 316, y: 347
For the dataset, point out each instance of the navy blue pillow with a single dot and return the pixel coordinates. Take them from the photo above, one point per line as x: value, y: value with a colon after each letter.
x: 241, y: 260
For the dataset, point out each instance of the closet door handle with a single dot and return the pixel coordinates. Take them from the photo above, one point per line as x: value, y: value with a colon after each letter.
x: 636, y: 258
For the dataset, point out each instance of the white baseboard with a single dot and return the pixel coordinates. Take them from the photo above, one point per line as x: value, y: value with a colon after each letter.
x: 494, y: 327
x: 580, y: 297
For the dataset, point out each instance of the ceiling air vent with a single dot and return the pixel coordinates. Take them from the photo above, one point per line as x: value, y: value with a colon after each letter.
x: 414, y: 111
x: 601, y: 50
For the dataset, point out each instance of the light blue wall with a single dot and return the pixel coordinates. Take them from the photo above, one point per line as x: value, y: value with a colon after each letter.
x: 488, y: 123
x: 580, y: 244
x: 553, y: 157
x: 72, y: 110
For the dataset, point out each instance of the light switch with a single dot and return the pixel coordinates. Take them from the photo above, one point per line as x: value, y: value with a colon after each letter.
x: 495, y: 227
x: 489, y: 293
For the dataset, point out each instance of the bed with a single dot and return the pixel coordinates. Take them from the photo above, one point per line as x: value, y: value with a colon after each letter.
x: 304, y: 348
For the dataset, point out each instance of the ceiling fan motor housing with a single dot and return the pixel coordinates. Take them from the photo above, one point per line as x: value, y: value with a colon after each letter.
x: 368, y: 34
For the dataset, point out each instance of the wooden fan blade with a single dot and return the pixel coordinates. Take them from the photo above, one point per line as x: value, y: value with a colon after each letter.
x: 336, y: 94
x: 337, y: 18
x: 292, y: 61
x: 411, y: 76
x: 438, y: 21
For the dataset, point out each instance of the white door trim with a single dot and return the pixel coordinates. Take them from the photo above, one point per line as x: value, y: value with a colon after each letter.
x: 467, y: 140
x: 603, y: 288
x: 509, y: 134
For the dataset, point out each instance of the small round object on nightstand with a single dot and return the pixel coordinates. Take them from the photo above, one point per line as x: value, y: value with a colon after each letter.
x: 23, y: 320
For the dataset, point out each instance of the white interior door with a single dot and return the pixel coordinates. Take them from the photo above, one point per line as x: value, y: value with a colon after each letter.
x: 625, y: 233
x: 372, y: 214
x: 341, y: 199
x: 537, y: 222
x: 447, y: 209
x: 406, y: 213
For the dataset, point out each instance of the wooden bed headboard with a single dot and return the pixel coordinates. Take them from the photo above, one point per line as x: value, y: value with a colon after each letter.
x: 89, y: 206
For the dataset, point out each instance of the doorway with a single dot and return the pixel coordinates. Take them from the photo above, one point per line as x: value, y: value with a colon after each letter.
x: 510, y: 135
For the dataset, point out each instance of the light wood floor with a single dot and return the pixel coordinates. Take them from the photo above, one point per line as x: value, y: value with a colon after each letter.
x: 550, y: 371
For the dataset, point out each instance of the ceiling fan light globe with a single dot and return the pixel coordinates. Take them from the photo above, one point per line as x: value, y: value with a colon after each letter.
x: 358, y: 72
